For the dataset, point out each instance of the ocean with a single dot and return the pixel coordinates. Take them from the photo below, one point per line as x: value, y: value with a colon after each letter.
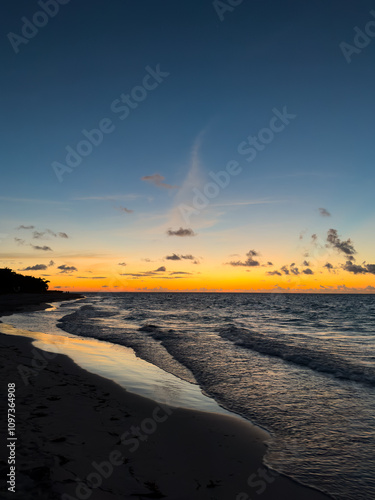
x: 300, y: 366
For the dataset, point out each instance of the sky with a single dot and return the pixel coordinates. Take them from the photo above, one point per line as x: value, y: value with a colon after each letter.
x: 189, y: 146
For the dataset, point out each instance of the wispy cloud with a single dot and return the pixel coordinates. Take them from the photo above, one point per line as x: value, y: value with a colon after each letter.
x: 247, y: 202
x: 44, y: 248
x: 91, y: 277
x: 49, y: 232
x: 125, y: 210
x: 157, y: 180
x: 324, y: 212
x: 25, y: 227
x: 110, y: 197
x: 29, y: 200
x: 143, y: 274
x: 334, y: 241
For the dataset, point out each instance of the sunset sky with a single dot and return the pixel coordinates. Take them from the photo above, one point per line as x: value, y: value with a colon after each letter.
x: 233, y: 147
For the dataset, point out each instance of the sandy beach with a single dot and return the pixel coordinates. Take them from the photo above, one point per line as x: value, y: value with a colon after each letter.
x: 81, y: 436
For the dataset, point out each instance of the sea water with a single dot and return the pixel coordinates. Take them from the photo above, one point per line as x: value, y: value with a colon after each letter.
x: 300, y: 366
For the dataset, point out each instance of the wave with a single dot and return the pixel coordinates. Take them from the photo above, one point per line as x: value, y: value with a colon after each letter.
x: 302, y: 355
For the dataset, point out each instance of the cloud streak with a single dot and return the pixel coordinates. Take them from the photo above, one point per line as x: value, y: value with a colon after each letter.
x: 181, y: 232
x: 37, y: 267
x: 44, y: 248
x: 179, y: 257
x: 157, y: 180
x: 67, y: 269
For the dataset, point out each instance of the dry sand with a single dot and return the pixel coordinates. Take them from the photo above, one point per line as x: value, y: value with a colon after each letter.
x: 71, y: 424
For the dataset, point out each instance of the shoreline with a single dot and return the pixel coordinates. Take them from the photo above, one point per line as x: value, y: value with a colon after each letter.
x: 12, y: 303
x: 74, y: 427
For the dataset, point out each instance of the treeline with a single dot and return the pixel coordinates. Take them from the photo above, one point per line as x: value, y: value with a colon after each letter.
x: 11, y: 282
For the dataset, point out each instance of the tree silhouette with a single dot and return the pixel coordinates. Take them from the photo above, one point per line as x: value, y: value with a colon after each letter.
x: 11, y: 282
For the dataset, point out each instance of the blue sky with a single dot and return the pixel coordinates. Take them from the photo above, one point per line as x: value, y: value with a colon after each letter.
x: 225, y: 78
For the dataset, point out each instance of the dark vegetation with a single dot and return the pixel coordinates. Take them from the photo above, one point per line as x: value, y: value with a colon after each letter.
x: 12, y: 282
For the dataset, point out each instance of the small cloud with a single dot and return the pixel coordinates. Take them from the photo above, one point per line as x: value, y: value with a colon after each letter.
x: 38, y: 234
x: 44, y: 248
x: 179, y: 257
x: 67, y: 269
x: 274, y: 273
x: 329, y: 266
x: 19, y: 241
x: 178, y: 272
x: 249, y: 262
x: 314, y: 237
x: 37, y: 267
x: 324, y: 212
x: 173, y: 257
x: 62, y: 235
x: 25, y: 227
x: 51, y: 263
x: 269, y: 264
x: 121, y: 264
x: 252, y: 253
x: 125, y: 210
x: 305, y: 263
x: 157, y: 180
x: 294, y: 270
x: 334, y: 241
x: 307, y: 271
x: 161, y: 269
x: 181, y: 232
x: 285, y: 270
